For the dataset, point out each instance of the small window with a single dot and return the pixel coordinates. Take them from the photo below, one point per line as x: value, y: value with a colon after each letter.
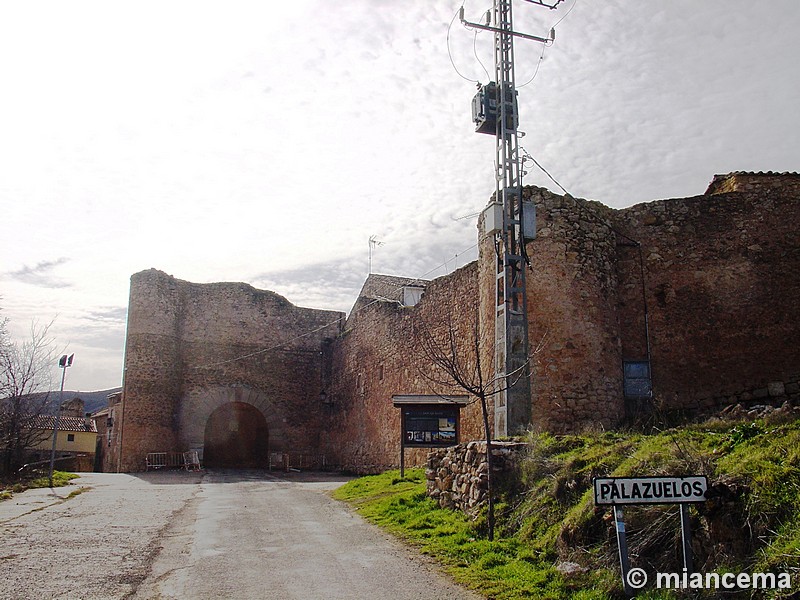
x: 380, y: 372
x: 412, y: 294
x: 70, y: 437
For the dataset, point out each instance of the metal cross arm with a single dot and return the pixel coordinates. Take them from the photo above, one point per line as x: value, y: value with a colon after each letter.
x: 541, y: 3
x: 527, y: 36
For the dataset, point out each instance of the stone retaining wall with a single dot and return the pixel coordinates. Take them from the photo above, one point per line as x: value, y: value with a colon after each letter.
x: 457, y: 476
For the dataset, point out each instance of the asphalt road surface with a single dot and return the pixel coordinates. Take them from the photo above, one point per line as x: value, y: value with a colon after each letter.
x: 220, y: 534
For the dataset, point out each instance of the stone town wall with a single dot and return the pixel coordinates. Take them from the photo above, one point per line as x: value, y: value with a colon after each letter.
x: 379, y: 355
x: 718, y: 274
x: 721, y: 273
x: 457, y: 477
x: 192, y: 348
x: 109, y: 428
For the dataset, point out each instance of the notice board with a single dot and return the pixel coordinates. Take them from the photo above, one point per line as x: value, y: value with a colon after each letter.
x: 430, y: 426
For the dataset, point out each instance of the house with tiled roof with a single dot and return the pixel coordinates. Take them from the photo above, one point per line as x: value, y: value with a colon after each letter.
x: 401, y: 291
x: 76, y: 438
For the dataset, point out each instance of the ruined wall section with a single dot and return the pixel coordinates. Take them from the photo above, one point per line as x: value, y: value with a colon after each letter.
x: 787, y: 184
x: 721, y: 275
x: 195, y: 347
x: 379, y: 356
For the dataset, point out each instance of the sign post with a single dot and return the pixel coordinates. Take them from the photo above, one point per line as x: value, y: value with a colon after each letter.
x: 618, y: 491
x: 686, y: 538
x: 622, y: 544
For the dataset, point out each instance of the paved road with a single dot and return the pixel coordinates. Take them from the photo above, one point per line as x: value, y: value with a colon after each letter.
x: 224, y: 534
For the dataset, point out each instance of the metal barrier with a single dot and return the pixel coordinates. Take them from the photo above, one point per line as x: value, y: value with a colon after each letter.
x: 173, y: 460
x: 288, y: 461
x: 191, y: 460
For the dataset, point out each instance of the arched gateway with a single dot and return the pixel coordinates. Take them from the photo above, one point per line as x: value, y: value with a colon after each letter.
x: 236, y: 436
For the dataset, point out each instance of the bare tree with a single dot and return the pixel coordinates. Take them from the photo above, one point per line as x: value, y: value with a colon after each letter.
x: 454, y: 350
x: 25, y: 381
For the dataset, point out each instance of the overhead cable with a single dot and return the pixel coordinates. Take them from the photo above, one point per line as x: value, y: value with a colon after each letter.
x: 545, y: 46
x: 450, y: 54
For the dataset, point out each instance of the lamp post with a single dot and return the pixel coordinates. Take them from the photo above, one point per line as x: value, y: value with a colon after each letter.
x: 64, y: 362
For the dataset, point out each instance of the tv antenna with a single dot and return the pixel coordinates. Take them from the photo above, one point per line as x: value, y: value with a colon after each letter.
x: 494, y: 110
x: 374, y: 242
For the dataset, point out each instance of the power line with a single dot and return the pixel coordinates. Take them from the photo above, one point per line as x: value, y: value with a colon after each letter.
x: 527, y: 155
x: 475, y: 52
x: 536, y: 72
x: 450, y: 54
x: 545, y: 46
x: 566, y: 14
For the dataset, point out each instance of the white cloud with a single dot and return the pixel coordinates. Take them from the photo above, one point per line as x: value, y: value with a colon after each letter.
x: 218, y: 142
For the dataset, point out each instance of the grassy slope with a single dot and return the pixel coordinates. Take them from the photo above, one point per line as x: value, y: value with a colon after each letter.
x: 751, y: 523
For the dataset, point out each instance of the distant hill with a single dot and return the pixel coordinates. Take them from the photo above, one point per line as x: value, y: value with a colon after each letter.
x: 46, y: 402
x: 92, y: 401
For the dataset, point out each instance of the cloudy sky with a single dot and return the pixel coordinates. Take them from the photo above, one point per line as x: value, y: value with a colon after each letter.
x: 266, y: 142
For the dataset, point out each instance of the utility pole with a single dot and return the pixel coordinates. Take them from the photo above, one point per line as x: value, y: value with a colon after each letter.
x: 64, y: 363
x: 496, y: 104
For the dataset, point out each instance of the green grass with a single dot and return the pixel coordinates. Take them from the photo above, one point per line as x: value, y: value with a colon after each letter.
x: 503, y: 569
x: 753, y: 523
x: 60, y: 479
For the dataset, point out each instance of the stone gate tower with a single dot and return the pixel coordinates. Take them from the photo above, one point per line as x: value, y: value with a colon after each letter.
x: 222, y: 368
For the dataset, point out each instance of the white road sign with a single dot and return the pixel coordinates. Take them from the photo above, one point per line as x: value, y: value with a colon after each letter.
x: 649, y: 490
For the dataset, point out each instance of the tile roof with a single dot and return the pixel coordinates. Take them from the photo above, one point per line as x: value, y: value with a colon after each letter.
x: 65, y: 423
x: 388, y: 287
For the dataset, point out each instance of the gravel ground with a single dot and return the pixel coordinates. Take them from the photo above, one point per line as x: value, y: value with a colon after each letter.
x: 96, y: 544
x: 211, y: 535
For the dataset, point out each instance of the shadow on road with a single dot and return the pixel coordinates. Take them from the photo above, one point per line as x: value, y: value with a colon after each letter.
x: 179, y: 477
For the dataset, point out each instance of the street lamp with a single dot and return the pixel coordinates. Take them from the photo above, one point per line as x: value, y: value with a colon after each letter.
x: 64, y: 362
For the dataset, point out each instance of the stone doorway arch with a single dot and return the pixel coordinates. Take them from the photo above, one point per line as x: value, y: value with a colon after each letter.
x: 236, y: 436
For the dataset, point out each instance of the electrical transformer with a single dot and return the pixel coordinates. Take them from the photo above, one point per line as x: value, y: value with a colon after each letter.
x: 486, y: 110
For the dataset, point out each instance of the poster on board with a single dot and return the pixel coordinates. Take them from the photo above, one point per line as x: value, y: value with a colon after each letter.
x: 430, y: 426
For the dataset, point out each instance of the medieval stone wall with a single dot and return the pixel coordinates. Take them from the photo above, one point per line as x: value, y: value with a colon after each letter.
x: 705, y: 287
x: 192, y: 348
x: 716, y: 274
x: 720, y: 273
x: 379, y: 355
x: 109, y: 422
x: 787, y: 184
